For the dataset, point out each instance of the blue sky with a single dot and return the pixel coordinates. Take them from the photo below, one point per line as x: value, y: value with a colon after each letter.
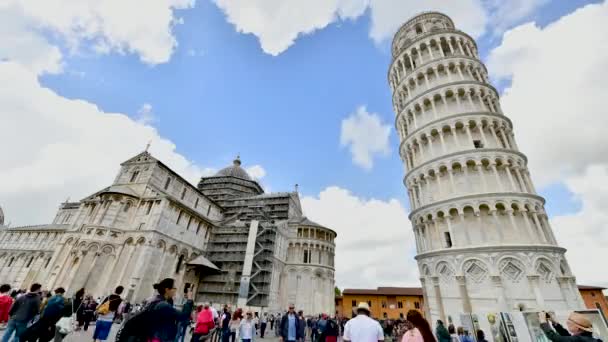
x: 279, y: 96
x: 221, y: 95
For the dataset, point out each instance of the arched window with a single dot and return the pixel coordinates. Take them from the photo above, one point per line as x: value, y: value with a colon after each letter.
x: 10, y: 263
x: 29, y: 263
x: 127, y: 207
x: 418, y: 29
x: 47, y: 262
x: 167, y: 183
x: 179, y: 263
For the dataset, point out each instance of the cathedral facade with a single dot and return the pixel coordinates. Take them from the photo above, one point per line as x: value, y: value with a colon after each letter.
x: 226, y: 239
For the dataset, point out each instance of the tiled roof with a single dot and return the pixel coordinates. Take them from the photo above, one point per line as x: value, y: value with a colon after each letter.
x: 589, y: 287
x: 386, y: 291
x: 42, y: 227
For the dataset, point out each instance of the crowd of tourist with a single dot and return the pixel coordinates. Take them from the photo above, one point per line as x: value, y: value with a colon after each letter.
x: 39, y: 315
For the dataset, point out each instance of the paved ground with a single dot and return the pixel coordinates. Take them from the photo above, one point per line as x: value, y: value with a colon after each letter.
x: 87, y: 336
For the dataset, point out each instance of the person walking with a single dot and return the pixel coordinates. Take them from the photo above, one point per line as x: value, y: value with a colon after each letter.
x: 415, y: 317
x: 44, y: 328
x: 165, y: 317
x: 23, y: 310
x: 235, y: 324
x: 302, y: 325
x: 442, y: 333
x: 289, y: 328
x: 481, y: 336
x: 579, y: 329
x: 453, y: 335
x: 67, y: 312
x: 89, y: 312
x: 204, y: 323
x: 271, y: 319
x: 6, y: 301
x: 463, y: 335
x: 412, y: 334
x: 332, y: 331
x: 247, y: 328
x: 78, y: 300
x: 263, y: 324
x: 363, y: 328
x: 105, y: 314
x: 225, y: 323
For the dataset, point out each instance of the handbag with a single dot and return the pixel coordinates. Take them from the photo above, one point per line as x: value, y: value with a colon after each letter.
x: 66, y: 325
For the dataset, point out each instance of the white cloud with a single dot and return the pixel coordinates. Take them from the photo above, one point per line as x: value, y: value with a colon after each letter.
x: 375, y: 244
x: 557, y: 95
x: 145, y: 116
x: 21, y: 43
x: 366, y: 136
x: 389, y: 15
x: 277, y: 24
x: 62, y: 147
x: 256, y: 171
x: 584, y: 233
x: 109, y: 25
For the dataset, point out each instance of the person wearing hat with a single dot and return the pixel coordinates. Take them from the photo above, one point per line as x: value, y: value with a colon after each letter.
x: 579, y: 328
x: 363, y: 328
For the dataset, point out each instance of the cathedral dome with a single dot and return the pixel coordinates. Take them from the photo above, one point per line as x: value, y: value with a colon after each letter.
x: 234, y: 171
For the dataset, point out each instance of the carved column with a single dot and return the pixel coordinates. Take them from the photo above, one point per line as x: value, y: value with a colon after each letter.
x: 534, y: 279
x: 438, y: 298
x: 500, y: 293
x: 464, y: 294
x: 425, y: 296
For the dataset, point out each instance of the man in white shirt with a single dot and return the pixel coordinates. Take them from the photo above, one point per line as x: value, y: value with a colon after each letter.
x: 363, y: 328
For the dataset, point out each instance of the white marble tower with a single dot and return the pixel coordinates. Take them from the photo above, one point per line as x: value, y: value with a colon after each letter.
x: 483, y: 238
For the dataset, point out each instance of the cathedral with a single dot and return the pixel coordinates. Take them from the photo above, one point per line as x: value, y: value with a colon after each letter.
x: 226, y: 239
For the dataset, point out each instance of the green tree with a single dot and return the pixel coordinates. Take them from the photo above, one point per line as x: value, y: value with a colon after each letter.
x: 338, y: 292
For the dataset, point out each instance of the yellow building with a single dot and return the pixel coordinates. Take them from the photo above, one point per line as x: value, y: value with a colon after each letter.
x: 384, y: 302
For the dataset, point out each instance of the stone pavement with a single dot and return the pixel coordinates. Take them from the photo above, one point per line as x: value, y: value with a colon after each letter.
x: 87, y: 336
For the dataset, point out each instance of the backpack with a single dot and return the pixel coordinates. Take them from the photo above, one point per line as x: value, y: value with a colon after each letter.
x: 138, y: 327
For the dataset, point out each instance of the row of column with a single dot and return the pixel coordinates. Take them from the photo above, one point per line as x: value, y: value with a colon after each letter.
x: 420, y: 190
x: 21, y: 271
x: 428, y: 233
x: 411, y: 89
x: 567, y: 290
x: 401, y: 70
x: 415, y: 154
x: 11, y: 240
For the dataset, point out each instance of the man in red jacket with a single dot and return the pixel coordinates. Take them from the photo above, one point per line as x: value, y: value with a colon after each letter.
x: 5, y: 304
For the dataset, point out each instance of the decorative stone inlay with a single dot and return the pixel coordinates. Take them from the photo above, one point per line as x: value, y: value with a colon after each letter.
x: 445, y: 271
x: 512, y: 269
x: 475, y: 271
x: 545, y: 272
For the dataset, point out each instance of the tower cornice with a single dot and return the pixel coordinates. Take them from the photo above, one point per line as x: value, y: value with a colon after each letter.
x: 439, y: 60
x: 490, y: 249
x: 473, y: 152
x: 479, y: 197
x: 448, y: 118
x: 446, y: 85
x: 426, y: 36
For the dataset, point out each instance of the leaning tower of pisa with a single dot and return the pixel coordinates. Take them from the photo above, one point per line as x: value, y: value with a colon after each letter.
x: 484, y: 243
